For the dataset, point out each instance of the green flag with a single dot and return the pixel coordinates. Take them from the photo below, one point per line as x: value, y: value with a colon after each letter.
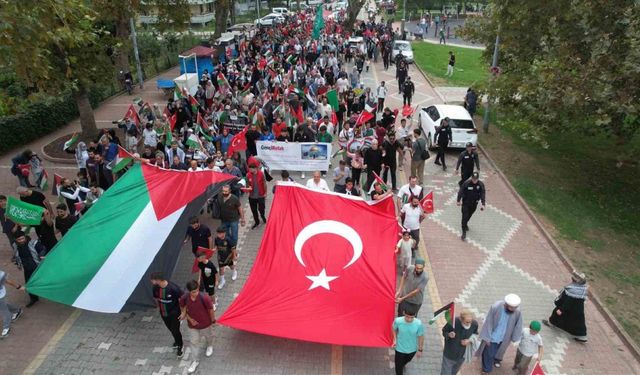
x: 23, y: 213
x: 332, y: 98
x: 318, y: 24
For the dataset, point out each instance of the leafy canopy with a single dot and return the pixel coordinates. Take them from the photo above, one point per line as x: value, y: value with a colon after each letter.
x: 566, y: 65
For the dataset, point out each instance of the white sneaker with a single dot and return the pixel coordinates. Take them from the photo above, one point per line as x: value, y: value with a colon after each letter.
x: 209, y: 351
x: 193, y: 367
x: 222, y: 282
x: 234, y: 275
x: 5, y: 333
x: 302, y: 175
x: 215, y: 307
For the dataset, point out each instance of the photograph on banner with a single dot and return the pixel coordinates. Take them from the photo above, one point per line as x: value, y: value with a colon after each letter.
x: 291, y: 156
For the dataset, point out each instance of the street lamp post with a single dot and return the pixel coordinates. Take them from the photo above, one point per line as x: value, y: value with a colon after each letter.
x: 494, y: 72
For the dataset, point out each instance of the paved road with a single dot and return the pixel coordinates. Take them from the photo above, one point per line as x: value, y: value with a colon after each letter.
x: 505, y: 253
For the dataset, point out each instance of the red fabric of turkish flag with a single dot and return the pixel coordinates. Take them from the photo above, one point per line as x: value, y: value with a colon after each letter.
x: 537, y: 369
x: 325, y: 271
x: 427, y: 203
x: 238, y: 142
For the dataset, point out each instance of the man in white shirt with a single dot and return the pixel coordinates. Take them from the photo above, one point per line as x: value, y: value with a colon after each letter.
x: 412, y: 189
x: 317, y: 183
x: 342, y: 84
x: 325, y: 108
x: 412, y: 214
x: 150, y: 136
x: 403, y: 133
x: 381, y: 93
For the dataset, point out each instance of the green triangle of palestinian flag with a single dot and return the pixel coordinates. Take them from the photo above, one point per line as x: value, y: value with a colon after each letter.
x: 448, y: 311
x: 136, y: 227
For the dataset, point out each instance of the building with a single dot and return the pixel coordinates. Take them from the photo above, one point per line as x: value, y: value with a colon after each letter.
x: 202, y: 12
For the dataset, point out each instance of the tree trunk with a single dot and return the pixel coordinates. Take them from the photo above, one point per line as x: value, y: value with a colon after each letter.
x: 352, y: 14
x: 87, y: 120
x: 232, y: 12
x: 222, y: 12
x: 123, y: 33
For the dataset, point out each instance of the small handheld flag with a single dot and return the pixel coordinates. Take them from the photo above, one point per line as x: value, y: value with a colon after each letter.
x: 68, y: 144
x: 427, y: 203
x: 209, y: 253
x: 449, y: 314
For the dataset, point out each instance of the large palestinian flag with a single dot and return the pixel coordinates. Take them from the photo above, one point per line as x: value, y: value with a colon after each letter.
x: 137, y: 227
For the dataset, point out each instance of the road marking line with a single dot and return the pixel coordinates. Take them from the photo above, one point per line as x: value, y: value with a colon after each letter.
x: 51, y: 344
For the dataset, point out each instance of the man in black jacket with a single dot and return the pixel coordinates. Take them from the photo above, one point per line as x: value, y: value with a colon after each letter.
x: 470, y: 193
x: 456, y: 340
x: 443, y: 138
x: 407, y: 91
x: 467, y: 159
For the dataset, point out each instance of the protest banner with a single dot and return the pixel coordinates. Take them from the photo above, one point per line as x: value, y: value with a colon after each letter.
x: 293, y: 156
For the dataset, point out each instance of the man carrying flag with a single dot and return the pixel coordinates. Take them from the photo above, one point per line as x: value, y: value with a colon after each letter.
x: 410, y: 293
x: 457, y: 333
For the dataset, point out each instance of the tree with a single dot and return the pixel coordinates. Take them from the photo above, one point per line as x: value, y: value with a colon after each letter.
x: 222, y: 14
x: 171, y: 15
x: 352, y: 14
x: 566, y: 67
x: 55, y: 46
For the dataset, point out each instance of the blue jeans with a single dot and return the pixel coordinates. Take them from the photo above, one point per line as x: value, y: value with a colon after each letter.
x: 489, y: 356
x: 232, y: 230
x: 6, y: 311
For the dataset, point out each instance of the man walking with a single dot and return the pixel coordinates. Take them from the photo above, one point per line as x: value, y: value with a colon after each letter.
x: 408, y: 339
x: 452, y: 59
x: 230, y: 213
x: 227, y: 255
x: 468, y: 159
x: 257, y: 187
x: 456, y: 341
x: 443, y: 138
x: 412, y: 215
x: 374, y: 162
x: 167, y: 295
x: 502, y: 326
x: 316, y: 182
x: 418, y: 154
x: 199, y: 234
x: 411, y: 290
x: 8, y: 312
x: 407, y: 91
x: 29, y: 253
x: 381, y: 93
x: 471, y: 191
x: 197, y: 309
x: 406, y: 192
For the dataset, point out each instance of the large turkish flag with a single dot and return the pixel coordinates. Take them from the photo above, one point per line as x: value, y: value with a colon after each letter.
x: 325, y: 271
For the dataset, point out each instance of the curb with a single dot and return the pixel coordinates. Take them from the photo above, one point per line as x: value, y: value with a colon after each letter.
x: 46, y: 157
x: 617, y: 327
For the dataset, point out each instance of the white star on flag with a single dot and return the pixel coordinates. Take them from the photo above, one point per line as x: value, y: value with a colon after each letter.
x: 321, y: 280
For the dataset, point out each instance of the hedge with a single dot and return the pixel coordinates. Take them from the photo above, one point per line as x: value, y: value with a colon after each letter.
x: 43, y: 117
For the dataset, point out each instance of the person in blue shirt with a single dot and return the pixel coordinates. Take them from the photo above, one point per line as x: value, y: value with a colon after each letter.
x: 266, y: 135
x: 225, y: 140
x: 408, y: 339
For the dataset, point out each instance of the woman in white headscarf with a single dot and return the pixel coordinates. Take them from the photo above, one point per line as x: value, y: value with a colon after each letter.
x: 82, y: 155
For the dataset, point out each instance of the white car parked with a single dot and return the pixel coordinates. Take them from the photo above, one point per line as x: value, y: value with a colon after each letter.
x: 463, y: 129
x: 404, y: 48
x: 270, y: 20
